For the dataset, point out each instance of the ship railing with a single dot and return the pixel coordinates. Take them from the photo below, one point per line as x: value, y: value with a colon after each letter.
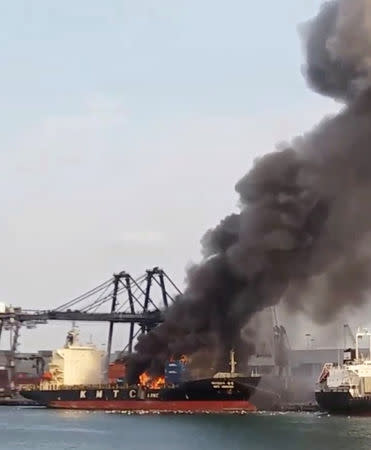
x: 92, y: 386
x: 57, y: 387
x: 29, y: 387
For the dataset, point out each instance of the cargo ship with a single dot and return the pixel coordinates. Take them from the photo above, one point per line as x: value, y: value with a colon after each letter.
x: 76, y: 380
x: 345, y: 387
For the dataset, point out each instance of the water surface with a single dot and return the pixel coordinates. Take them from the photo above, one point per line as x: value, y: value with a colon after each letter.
x: 34, y: 428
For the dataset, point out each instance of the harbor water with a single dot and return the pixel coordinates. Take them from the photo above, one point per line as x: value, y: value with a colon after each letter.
x: 37, y: 428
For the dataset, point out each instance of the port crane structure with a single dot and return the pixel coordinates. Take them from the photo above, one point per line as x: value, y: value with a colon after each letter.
x: 121, y: 299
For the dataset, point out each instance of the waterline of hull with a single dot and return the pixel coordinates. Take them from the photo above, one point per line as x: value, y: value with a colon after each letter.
x: 148, y: 405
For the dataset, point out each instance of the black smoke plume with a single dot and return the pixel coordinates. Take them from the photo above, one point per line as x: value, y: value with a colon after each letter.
x: 303, y: 232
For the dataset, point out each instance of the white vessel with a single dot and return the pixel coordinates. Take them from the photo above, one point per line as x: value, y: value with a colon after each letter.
x: 346, y: 387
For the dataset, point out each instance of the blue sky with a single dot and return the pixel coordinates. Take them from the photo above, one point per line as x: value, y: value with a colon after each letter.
x: 126, y: 124
x: 157, y: 56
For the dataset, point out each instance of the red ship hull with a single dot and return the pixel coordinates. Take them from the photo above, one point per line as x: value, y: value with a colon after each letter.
x: 155, y: 405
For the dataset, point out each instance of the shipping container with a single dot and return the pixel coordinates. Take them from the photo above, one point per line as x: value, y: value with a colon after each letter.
x: 174, y: 372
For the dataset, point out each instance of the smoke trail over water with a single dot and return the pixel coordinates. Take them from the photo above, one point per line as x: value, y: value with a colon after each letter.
x: 304, y: 225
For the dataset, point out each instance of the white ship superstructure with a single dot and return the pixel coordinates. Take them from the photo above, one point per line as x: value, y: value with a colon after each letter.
x: 75, y: 364
x: 347, y: 386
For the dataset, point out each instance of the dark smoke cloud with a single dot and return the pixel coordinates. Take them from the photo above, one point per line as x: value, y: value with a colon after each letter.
x: 338, y: 48
x: 305, y: 212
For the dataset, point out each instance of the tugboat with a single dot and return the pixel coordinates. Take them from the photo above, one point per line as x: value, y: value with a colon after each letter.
x: 346, y: 388
x: 75, y: 380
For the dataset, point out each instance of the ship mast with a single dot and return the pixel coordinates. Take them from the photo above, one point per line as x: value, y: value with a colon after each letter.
x: 232, y: 362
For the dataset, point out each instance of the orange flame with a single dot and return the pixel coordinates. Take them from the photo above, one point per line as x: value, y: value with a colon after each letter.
x: 144, y: 378
x: 153, y: 383
x: 183, y: 358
